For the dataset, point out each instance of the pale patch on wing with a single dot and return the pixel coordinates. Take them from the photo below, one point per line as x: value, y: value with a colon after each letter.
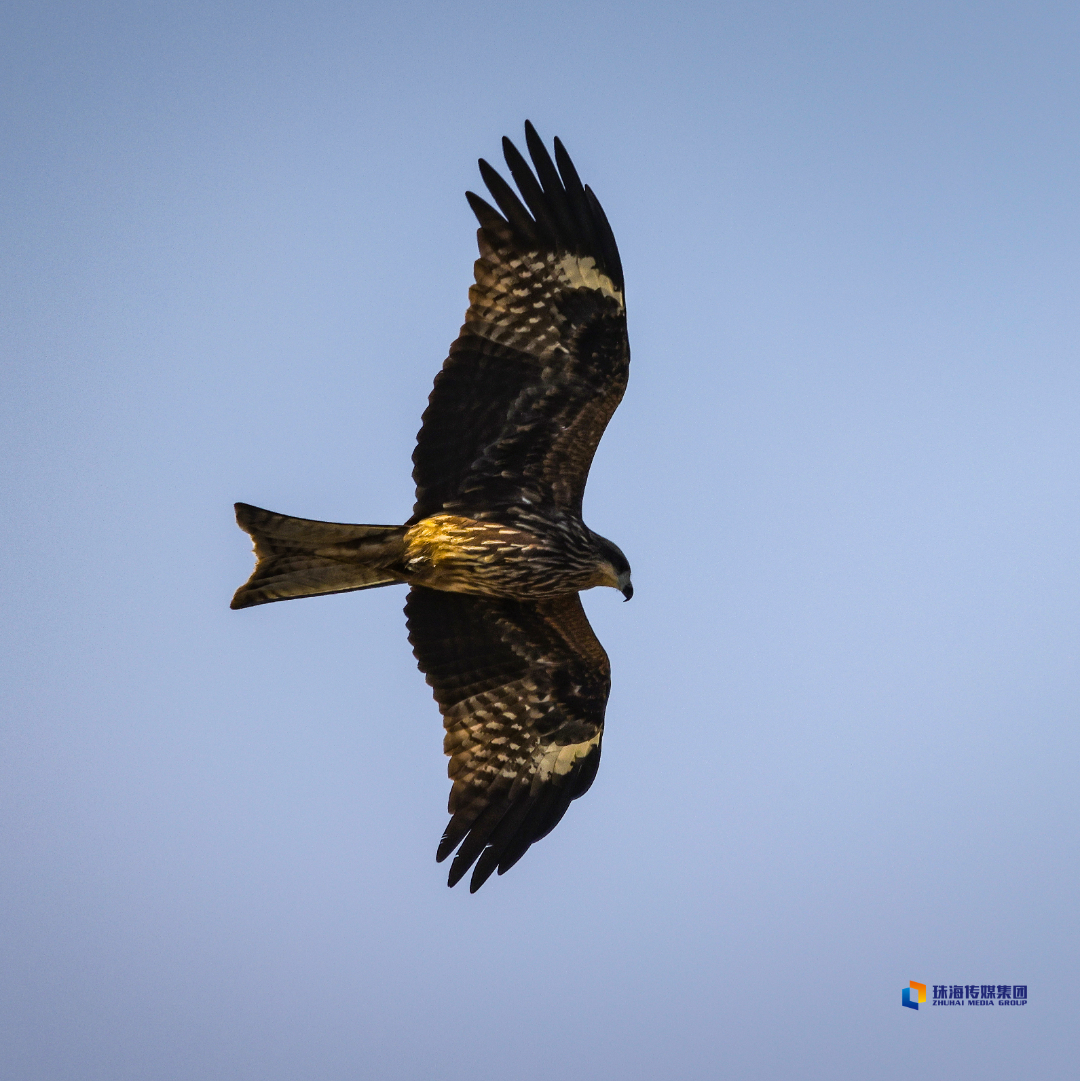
x: 560, y: 760
x: 492, y: 733
x: 514, y: 301
x: 579, y: 272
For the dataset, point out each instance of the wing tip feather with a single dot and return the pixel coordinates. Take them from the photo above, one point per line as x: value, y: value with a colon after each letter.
x: 554, y: 209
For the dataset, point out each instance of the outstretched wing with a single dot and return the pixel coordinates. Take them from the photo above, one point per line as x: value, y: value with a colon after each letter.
x: 522, y: 687
x: 542, y: 360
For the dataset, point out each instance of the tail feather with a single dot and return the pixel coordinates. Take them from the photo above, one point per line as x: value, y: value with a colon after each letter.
x: 297, y: 557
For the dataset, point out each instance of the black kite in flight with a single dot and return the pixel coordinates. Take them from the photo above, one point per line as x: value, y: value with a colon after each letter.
x: 496, y: 551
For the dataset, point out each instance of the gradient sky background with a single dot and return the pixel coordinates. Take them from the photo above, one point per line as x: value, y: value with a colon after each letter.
x: 842, y: 740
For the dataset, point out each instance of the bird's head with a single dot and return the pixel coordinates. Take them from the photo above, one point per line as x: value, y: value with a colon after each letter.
x: 614, y: 566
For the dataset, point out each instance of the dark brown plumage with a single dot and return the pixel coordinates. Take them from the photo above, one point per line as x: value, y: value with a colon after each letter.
x: 522, y: 687
x: 496, y: 551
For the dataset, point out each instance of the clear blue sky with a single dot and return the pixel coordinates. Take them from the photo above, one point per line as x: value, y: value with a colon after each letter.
x: 842, y: 740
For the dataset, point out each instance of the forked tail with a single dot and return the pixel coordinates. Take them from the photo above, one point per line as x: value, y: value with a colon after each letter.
x: 297, y: 557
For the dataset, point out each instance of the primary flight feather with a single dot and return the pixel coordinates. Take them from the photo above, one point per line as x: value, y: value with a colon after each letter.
x: 496, y: 551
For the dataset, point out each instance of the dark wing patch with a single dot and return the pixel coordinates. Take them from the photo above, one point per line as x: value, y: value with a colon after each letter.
x: 522, y: 688
x: 542, y: 360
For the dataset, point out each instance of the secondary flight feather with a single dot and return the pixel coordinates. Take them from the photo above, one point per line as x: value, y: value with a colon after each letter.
x: 496, y: 552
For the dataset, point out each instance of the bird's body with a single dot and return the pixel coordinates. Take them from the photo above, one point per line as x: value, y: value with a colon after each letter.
x: 524, y: 556
x: 496, y: 551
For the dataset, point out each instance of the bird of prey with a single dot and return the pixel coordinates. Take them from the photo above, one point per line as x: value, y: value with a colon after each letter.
x: 495, y: 553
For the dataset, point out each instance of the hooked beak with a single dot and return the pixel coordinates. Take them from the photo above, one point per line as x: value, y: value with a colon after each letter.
x: 625, y: 588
